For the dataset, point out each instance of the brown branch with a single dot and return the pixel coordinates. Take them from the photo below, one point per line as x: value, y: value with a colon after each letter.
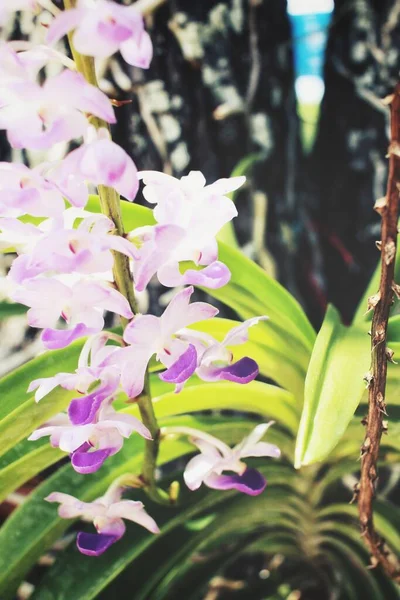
x: 381, y: 304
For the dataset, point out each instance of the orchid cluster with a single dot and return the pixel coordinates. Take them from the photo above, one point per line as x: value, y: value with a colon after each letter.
x: 66, y: 265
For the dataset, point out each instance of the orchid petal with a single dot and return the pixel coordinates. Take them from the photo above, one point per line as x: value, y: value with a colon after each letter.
x: 55, y: 339
x: 240, y: 334
x: 182, y: 369
x: 197, y: 469
x: 63, y: 23
x: 213, y: 276
x: 133, y: 511
x: 95, y: 544
x: 89, y: 462
x: 251, y: 482
x: 243, y: 371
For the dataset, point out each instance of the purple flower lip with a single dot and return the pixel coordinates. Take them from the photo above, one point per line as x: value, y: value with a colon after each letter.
x: 94, y: 544
x: 251, y: 482
x: 183, y: 368
x: 242, y: 371
x: 82, y: 411
x: 83, y: 461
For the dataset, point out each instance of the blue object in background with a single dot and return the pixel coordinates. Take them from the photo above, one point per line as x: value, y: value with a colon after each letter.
x: 310, y: 20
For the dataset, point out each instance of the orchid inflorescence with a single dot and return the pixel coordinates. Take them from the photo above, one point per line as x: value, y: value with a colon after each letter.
x: 65, y: 271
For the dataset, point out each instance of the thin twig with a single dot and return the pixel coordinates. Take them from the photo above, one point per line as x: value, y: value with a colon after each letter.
x: 381, y: 304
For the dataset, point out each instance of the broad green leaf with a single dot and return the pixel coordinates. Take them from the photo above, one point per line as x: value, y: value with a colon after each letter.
x: 333, y: 389
x: 29, y: 416
x: 266, y: 400
x: 13, y: 387
x: 24, y: 461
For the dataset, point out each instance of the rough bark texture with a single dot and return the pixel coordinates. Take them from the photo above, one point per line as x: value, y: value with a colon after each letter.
x: 389, y: 210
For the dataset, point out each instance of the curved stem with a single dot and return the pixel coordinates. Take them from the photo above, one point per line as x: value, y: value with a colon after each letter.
x: 381, y: 303
x: 110, y: 206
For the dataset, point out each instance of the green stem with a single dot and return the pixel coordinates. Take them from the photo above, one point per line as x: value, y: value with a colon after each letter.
x: 110, y: 206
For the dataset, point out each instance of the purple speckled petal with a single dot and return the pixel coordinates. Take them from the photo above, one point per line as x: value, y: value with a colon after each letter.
x: 54, y: 339
x: 251, y: 482
x: 242, y: 371
x: 183, y: 368
x: 88, y: 462
x: 94, y: 544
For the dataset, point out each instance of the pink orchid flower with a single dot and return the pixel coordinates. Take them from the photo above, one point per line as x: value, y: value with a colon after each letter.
x: 24, y: 191
x: 80, y: 302
x: 99, y: 161
x: 102, y: 28
x: 150, y: 335
x: 17, y: 66
x: 85, y: 249
x: 106, y: 513
x: 38, y: 117
x: 216, y: 457
x: 91, y: 444
x: 184, y: 207
x: 90, y: 368
x: 214, y: 359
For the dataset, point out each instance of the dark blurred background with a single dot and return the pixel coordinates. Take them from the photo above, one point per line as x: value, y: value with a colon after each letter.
x: 221, y: 88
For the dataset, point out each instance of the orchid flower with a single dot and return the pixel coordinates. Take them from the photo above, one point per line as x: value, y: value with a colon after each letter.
x: 102, y: 28
x: 107, y: 514
x: 38, y: 117
x: 184, y: 206
x: 148, y: 335
x: 85, y: 249
x: 24, y: 191
x: 20, y: 66
x: 214, y: 359
x: 80, y: 302
x: 87, y: 373
x: 91, y: 444
x: 216, y: 458
x: 99, y: 161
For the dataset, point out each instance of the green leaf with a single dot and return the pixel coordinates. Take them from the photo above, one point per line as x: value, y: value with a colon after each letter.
x: 333, y: 389
x: 23, y: 462
x: 10, y: 309
x: 13, y: 387
x: 266, y: 400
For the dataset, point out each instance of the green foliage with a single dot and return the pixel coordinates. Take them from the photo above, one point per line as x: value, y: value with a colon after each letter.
x: 303, y: 516
x: 333, y: 389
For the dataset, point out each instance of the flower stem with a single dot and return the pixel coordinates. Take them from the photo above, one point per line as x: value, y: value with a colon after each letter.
x: 110, y: 206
